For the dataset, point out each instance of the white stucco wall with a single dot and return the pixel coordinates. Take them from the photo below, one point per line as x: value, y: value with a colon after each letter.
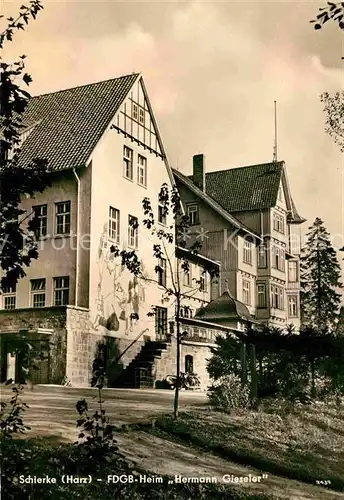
x: 113, y: 290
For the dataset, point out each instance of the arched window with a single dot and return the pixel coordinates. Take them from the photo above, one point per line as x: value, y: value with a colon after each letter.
x: 189, y: 364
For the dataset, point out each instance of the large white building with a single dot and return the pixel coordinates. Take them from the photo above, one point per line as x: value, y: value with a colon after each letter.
x: 106, y: 155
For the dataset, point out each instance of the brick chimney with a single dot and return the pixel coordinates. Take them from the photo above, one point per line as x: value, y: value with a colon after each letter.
x: 198, y: 175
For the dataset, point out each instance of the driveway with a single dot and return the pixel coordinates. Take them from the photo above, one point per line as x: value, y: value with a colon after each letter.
x: 52, y: 408
x: 52, y: 412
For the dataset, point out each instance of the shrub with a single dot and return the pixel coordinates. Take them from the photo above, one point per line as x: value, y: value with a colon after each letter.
x: 227, y: 394
x: 12, y: 463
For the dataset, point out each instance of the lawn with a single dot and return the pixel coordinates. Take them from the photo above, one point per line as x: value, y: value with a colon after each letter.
x: 306, y: 444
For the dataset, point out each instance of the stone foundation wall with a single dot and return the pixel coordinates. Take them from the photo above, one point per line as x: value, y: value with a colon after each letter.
x: 81, y: 347
x: 41, y: 324
x: 166, y: 365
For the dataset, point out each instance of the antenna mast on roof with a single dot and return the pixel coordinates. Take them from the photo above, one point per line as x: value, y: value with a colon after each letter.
x: 274, y: 159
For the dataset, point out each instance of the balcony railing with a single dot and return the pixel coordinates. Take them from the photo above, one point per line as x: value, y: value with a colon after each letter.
x: 200, y: 334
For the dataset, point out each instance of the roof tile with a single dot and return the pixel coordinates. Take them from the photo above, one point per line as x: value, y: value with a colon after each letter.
x: 245, y: 188
x: 69, y: 123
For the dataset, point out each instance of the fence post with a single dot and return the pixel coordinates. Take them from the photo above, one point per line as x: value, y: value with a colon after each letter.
x: 254, y: 381
x: 243, y: 363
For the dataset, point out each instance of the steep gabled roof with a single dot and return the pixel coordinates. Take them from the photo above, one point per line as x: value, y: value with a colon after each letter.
x: 213, y: 203
x: 253, y: 187
x: 245, y: 188
x: 69, y: 123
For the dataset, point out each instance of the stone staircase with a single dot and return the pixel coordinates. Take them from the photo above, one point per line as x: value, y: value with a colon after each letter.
x: 140, y: 371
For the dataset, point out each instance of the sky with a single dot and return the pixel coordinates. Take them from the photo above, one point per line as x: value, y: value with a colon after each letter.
x: 212, y: 71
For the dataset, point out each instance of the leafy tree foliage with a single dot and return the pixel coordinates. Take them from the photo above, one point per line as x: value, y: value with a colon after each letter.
x: 164, y: 247
x: 225, y: 358
x: 17, y: 242
x: 320, y: 279
x: 334, y: 112
x: 333, y: 11
x: 333, y: 104
x: 297, y: 366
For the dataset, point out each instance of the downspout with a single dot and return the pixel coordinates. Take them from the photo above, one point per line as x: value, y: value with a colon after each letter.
x: 77, y: 239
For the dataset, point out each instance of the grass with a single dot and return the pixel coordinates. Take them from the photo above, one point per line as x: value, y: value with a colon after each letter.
x: 306, y: 445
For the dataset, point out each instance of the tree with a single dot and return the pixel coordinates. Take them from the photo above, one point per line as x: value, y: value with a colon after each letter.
x: 333, y: 104
x: 17, y: 242
x: 333, y: 11
x: 293, y: 365
x: 334, y: 112
x: 320, y: 279
x: 340, y: 323
x: 163, y: 249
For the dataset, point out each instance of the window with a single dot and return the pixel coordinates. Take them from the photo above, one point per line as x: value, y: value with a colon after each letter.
x: 161, y: 322
x: 63, y: 217
x: 161, y: 272
x: 142, y: 116
x: 193, y: 214
x: 61, y: 291
x: 187, y: 276
x: 247, y: 252
x: 292, y: 271
x: 261, y: 295
x: 38, y: 293
x: 135, y: 111
x: 203, y: 281
x: 133, y: 231
x: 278, y: 258
x: 261, y: 255
x: 277, y: 297
x: 185, y: 312
x: 40, y: 214
x: 246, y: 292
x: 9, y: 294
x: 128, y: 163
x: 162, y: 214
x: 292, y: 306
x: 142, y: 170
x: 189, y: 368
x: 114, y: 224
x: 278, y: 223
